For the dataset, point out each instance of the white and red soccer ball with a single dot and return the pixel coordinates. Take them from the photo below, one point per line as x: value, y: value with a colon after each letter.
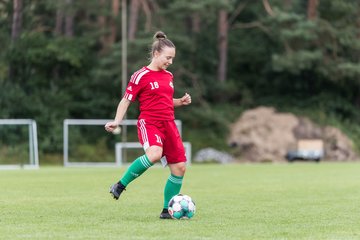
x: 181, y: 207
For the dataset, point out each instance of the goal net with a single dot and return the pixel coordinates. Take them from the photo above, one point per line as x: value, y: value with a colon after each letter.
x: 18, y: 144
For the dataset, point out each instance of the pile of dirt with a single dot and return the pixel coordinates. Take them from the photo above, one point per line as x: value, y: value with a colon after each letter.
x: 262, y: 134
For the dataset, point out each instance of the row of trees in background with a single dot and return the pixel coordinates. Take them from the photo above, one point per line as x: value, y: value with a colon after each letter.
x: 62, y: 59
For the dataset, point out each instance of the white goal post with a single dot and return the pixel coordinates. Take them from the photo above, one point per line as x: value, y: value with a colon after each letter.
x: 96, y: 122
x: 33, y: 143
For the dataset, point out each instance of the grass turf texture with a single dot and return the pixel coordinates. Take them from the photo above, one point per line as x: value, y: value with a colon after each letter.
x: 269, y: 201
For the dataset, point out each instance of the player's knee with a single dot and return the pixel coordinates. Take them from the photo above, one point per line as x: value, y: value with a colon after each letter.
x: 178, y: 169
x: 182, y: 169
x: 154, y: 154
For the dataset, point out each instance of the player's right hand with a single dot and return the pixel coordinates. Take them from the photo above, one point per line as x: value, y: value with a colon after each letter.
x: 110, y: 126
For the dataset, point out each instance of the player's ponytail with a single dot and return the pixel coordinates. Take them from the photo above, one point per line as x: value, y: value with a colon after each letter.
x: 160, y: 41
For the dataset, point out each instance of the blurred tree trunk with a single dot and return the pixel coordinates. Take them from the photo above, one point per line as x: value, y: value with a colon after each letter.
x: 58, y: 31
x: 135, y: 7
x: 17, y: 20
x: 224, y: 22
x: 312, y: 9
x: 358, y: 24
x: 287, y: 4
x: 15, y: 29
x: 108, y: 25
x: 147, y: 10
x: 69, y: 19
x: 133, y: 19
x: 102, y: 23
x: 357, y: 100
x: 196, y: 28
x: 223, y: 27
x: 115, y: 13
x: 59, y: 21
x: 268, y: 8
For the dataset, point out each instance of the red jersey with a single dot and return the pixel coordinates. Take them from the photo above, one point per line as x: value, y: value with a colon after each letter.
x: 154, y: 90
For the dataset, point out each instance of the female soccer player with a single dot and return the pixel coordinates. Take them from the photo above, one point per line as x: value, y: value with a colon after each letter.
x: 153, y: 87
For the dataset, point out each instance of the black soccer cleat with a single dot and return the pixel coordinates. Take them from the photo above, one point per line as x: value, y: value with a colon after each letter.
x: 165, y: 214
x: 116, y: 190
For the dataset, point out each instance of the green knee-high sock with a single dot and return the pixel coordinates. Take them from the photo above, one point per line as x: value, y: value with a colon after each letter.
x: 138, y: 167
x: 172, y: 187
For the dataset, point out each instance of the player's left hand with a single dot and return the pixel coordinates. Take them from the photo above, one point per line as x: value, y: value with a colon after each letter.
x: 186, y: 99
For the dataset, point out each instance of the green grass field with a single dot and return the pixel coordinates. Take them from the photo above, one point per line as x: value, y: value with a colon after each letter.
x: 268, y: 201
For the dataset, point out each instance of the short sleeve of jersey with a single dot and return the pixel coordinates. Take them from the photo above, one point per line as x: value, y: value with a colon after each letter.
x: 134, y: 86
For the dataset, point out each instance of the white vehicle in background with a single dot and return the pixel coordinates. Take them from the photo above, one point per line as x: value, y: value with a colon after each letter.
x: 307, y: 149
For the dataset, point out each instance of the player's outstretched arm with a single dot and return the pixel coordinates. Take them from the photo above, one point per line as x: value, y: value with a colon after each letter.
x: 120, y: 113
x: 185, y: 100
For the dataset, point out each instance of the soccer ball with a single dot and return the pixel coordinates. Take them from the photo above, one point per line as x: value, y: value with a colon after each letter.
x: 181, y: 207
x: 117, y: 130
